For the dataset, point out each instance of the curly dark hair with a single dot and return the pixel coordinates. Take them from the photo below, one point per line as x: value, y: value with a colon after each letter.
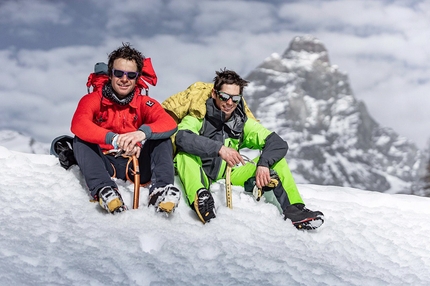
x: 128, y: 53
x: 225, y: 76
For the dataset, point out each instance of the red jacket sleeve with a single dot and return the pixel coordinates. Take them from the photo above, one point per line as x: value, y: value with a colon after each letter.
x: 157, y: 123
x: 83, y: 124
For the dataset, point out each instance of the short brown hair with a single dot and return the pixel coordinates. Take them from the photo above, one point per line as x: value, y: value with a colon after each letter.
x: 128, y: 53
x: 225, y: 76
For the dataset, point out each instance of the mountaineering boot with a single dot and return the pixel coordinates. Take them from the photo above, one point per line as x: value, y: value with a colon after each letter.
x: 155, y: 197
x: 170, y: 199
x: 165, y: 199
x: 303, y: 218
x: 204, y: 205
x: 111, y: 200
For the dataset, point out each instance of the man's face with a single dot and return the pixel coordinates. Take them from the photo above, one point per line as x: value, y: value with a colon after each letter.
x: 227, y: 106
x: 123, y: 85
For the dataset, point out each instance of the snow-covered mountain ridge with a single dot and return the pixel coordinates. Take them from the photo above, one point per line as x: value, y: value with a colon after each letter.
x: 20, y: 142
x: 332, y: 137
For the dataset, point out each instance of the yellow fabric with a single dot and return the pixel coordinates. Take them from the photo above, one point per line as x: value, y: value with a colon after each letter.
x: 192, y: 101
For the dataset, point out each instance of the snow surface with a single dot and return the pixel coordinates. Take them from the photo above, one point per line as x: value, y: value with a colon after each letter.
x: 50, y: 234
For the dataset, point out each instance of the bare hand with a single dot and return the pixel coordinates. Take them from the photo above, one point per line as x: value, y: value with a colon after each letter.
x: 230, y: 156
x: 262, y: 176
x: 131, y: 142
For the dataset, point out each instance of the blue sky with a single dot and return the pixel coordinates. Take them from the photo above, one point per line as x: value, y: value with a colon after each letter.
x: 48, y: 48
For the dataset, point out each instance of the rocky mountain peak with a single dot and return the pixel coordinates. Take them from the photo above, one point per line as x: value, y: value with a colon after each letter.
x: 306, y: 47
x: 332, y: 137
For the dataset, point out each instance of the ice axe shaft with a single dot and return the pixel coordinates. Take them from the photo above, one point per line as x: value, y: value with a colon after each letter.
x: 136, y: 182
x: 228, y: 188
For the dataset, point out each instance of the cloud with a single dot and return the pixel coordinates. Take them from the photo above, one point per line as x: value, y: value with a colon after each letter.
x: 33, y: 12
x: 252, y: 17
x: 366, y: 28
x: 359, y: 18
x: 42, y: 88
x: 382, y: 45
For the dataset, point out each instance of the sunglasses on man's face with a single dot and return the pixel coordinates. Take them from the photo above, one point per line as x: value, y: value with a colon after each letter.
x: 225, y: 96
x: 120, y: 73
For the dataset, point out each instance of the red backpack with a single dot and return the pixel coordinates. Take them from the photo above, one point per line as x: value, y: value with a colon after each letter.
x: 100, y: 76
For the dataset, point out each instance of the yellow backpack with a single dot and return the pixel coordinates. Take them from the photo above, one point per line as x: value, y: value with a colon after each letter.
x: 192, y: 101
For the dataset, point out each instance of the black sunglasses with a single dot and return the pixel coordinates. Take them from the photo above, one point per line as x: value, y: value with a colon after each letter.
x: 120, y: 73
x: 225, y: 96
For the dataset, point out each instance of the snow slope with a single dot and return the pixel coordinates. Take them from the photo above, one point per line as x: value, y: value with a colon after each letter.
x: 50, y: 234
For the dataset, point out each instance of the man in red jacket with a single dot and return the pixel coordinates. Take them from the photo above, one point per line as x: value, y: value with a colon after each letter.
x: 116, y: 116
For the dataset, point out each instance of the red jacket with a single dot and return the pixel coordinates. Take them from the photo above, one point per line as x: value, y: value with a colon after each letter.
x: 96, y: 116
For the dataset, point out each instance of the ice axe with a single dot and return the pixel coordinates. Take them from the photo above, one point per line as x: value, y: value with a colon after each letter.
x: 228, y: 188
x: 136, y: 172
